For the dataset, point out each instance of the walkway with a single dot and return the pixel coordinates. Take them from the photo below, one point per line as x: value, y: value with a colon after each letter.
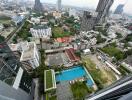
x: 63, y: 91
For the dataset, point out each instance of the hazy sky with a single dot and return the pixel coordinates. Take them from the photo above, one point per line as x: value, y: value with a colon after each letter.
x: 93, y: 3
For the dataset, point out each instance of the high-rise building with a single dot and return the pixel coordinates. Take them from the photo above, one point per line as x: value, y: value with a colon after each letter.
x: 88, y: 21
x: 58, y: 5
x: 15, y: 83
x: 38, y: 6
x: 103, y: 10
x: 119, y: 9
x: 120, y: 90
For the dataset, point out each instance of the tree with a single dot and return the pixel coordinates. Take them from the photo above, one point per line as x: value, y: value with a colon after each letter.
x: 6, y: 25
x: 2, y: 39
x: 14, y: 39
x: 100, y: 39
x: 78, y: 53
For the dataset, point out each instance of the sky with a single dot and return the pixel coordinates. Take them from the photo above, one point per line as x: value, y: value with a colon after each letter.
x: 93, y: 3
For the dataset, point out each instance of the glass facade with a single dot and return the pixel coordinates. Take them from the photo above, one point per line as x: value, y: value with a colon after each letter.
x: 9, y: 66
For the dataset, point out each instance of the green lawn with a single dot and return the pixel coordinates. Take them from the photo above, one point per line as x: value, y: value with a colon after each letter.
x: 101, y: 77
x: 59, y: 32
x: 5, y: 20
x: 49, y: 82
x: 113, y: 51
x: 80, y: 90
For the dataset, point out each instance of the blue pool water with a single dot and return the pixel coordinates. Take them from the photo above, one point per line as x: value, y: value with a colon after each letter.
x: 71, y: 74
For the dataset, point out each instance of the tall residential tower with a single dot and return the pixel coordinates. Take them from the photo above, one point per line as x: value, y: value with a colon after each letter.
x: 119, y: 9
x: 38, y: 6
x: 90, y: 19
x: 15, y: 83
x: 59, y: 5
x: 103, y: 10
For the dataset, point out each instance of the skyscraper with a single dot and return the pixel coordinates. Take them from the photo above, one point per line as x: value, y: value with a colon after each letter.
x: 119, y: 9
x: 38, y: 6
x: 15, y: 83
x: 88, y: 21
x: 103, y: 10
x: 120, y: 90
x: 58, y: 5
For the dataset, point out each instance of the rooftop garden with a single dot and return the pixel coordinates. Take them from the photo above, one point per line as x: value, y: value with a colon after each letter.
x: 101, y: 77
x: 80, y: 90
x: 49, y: 80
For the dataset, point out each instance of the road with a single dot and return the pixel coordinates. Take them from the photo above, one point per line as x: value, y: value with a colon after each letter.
x: 12, y: 34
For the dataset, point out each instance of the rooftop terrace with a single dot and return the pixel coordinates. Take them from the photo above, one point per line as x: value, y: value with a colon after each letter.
x: 29, y: 53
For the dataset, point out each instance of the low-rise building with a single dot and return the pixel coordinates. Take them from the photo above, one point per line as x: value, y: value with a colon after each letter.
x: 43, y: 32
x: 57, y: 14
x: 93, y: 41
x: 35, y: 20
x: 127, y: 63
x: 86, y: 51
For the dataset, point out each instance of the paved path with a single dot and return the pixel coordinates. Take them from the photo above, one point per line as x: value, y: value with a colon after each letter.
x: 63, y: 91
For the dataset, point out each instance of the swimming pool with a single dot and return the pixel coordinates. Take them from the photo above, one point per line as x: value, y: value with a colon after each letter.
x: 73, y: 73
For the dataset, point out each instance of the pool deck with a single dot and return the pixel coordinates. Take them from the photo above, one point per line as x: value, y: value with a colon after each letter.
x: 88, y: 76
x: 63, y: 91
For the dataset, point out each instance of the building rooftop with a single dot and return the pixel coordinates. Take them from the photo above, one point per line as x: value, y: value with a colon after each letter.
x: 13, y: 47
x: 128, y: 60
x: 41, y: 27
x: 28, y: 53
x: 63, y: 40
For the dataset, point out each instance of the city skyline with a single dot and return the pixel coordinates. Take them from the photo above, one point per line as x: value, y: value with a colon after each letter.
x: 92, y: 4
